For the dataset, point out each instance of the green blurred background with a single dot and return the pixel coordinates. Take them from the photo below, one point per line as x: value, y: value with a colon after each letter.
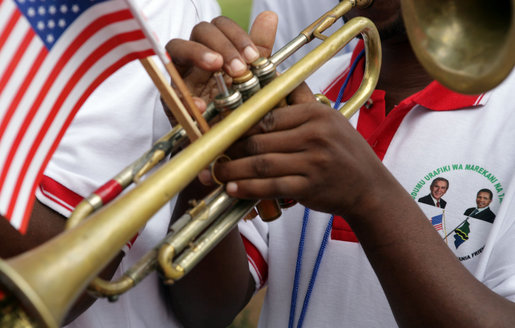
x: 239, y: 10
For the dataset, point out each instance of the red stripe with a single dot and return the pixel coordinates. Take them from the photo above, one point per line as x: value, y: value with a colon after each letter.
x: 16, y: 59
x: 36, y: 65
x: 74, y: 46
x: 109, y: 191
x: 65, y: 57
x: 258, y: 261
x: 107, y: 72
x: 9, y: 27
x: 68, y: 88
x: 89, y: 31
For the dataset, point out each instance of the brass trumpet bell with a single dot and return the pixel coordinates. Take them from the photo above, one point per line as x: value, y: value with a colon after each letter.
x: 468, y: 46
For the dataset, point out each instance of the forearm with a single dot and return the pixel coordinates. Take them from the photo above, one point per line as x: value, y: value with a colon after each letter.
x: 424, y: 282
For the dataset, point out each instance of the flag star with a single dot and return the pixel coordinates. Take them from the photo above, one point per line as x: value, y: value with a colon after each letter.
x: 41, y: 25
x: 51, y: 23
x: 52, y: 10
x: 31, y: 12
x: 50, y: 38
x: 61, y: 23
x: 64, y: 9
x: 75, y: 8
x: 21, y: 1
x: 41, y: 10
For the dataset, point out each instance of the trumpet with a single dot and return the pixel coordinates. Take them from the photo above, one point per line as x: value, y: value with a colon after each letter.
x: 30, y: 293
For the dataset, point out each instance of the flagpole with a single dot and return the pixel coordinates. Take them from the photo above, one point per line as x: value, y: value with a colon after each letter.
x: 172, y: 100
x: 444, y: 226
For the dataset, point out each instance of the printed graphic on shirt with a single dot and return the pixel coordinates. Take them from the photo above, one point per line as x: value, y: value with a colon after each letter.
x: 461, y: 201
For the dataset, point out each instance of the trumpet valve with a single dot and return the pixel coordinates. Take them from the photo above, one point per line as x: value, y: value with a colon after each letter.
x: 264, y: 70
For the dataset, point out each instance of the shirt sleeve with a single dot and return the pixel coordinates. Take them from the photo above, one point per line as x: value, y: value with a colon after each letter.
x: 255, y: 239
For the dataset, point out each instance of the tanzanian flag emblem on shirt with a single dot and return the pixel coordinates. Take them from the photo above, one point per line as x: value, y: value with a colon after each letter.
x: 461, y: 234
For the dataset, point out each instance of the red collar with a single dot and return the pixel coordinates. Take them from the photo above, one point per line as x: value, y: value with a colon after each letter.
x: 434, y: 96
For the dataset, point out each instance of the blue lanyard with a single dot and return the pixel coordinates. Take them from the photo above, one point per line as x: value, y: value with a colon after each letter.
x: 298, y: 266
x: 344, y: 86
x: 323, y: 245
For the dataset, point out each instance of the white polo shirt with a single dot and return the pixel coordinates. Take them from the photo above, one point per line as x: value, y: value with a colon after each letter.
x: 435, y: 133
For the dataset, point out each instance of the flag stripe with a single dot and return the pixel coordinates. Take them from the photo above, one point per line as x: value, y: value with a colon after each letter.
x: 72, y: 82
x: 11, y: 22
x: 16, y: 59
x: 51, y: 78
x: 100, y: 79
x: 12, y: 44
x: 49, y: 65
x: 22, y: 88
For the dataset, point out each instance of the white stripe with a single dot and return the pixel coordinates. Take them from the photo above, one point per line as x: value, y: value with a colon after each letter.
x: 57, y: 51
x: 42, y: 151
x: 12, y: 44
x: 19, y: 74
x: 6, y: 10
x: 51, y: 98
x: 38, y: 82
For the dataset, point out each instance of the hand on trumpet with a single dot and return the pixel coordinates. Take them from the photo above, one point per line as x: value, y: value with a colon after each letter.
x: 305, y: 151
x: 220, y: 45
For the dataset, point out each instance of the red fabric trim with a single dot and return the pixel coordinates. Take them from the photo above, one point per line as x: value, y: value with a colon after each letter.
x: 332, y: 91
x: 109, y: 191
x: 131, y: 242
x: 256, y: 260
x: 59, y: 193
x: 370, y: 118
x: 383, y: 135
x: 437, y: 97
x: 342, y: 231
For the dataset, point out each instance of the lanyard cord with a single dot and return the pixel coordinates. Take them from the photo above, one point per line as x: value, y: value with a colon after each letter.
x: 323, y: 245
x: 344, y: 86
x: 298, y: 266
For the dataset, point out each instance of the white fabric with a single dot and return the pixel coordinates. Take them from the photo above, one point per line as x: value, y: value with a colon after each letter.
x: 295, y: 16
x: 426, y: 145
x: 117, y: 124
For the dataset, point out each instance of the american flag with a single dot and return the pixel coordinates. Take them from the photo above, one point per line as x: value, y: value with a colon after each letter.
x: 436, y: 221
x: 53, y: 54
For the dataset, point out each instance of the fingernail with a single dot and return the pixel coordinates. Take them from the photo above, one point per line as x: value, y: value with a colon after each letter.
x: 231, y: 187
x: 237, y: 66
x: 250, y: 54
x: 204, y: 177
x: 201, y: 105
x: 211, y: 58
